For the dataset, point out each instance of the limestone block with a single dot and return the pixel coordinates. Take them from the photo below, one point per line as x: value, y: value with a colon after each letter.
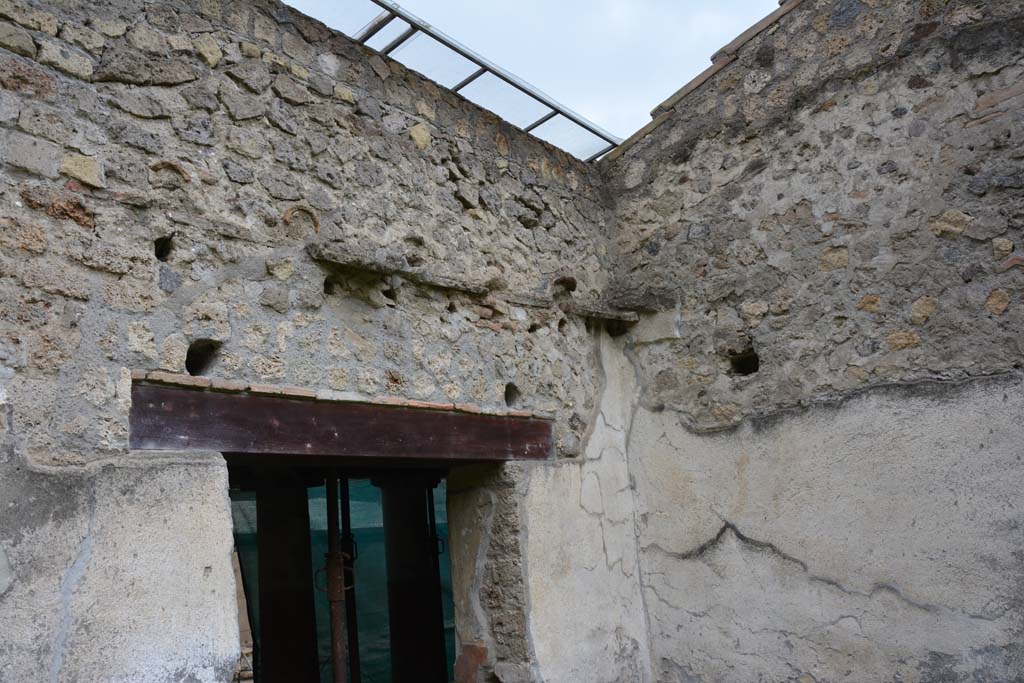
x: 144, y: 38
x: 17, y: 40
x: 292, y: 92
x: 108, y: 26
x: 66, y: 59
x: 83, y: 37
x: 208, y: 50
x: 420, y: 135
x: 31, y: 154
x: 86, y: 169
x: 254, y: 74
x: 20, y: 12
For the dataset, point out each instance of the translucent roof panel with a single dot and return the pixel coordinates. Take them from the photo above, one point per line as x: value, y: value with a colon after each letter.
x: 444, y: 60
x: 382, y: 38
x: 570, y: 136
x: 347, y: 16
x: 435, y: 61
x: 511, y: 104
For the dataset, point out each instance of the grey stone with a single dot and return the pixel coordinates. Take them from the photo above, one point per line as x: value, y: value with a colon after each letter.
x: 45, y: 122
x: 467, y: 194
x: 83, y: 37
x: 127, y: 66
x: 169, y: 279
x: 66, y: 59
x: 239, y: 105
x: 237, y: 172
x: 281, y: 186
x: 292, y: 153
x: 196, y: 128
x: 10, y: 108
x: 282, y: 116
x: 202, y: 95
x: 845, y: 13
x: 145, y: 38
x: 275, y: 296
x: 149, y: 103
x: 330, y: 174
x: 17, y: 40
x: 134, y: 136
x: 254, y: 74
x: 291, y: 91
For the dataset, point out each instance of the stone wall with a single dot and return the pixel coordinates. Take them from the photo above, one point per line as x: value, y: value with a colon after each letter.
x: 235, y: 178
x: 801, y: 464
x: 827, y: 441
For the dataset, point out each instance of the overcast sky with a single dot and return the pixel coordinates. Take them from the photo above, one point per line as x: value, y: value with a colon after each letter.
x: 610, y: 60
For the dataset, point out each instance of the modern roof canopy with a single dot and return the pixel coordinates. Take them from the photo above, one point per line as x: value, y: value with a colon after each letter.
x: 403, y: 36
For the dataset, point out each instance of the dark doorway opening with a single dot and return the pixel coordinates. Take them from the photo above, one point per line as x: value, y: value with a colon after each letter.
x: 393, y: 611
x: 280, y: 446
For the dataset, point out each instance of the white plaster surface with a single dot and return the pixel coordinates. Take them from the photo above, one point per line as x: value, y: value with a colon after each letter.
x: 586, y: 615
x: 136, y: 588
x: 876, y: 539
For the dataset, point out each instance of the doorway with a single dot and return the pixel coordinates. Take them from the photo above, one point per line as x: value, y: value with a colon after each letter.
x: 395, y: 620
x: 281, y: 445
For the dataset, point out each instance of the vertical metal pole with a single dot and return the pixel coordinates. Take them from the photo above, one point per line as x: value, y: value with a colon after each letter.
x: 288, y: 649
x: 335, y: 583
x: 413, y: 595
x: 442, y: 662
x: 348, y: 553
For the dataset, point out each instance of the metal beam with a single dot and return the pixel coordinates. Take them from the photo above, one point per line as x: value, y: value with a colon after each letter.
x: 509, y: 78
x: 469, y: 79
x: 541, y: 121
x: 361, y: 434
x: 374, y: 27
x: 394, y: 44
x: 595, y: 157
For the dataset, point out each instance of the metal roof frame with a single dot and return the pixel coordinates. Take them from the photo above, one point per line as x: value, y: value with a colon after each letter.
x: 416, y: 25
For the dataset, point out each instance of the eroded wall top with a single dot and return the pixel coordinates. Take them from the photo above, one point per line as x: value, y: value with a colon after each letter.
x: 238, y: 173
x: 842, y: 199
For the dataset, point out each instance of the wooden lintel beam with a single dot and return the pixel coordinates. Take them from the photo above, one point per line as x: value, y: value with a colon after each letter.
x: 169, y: 418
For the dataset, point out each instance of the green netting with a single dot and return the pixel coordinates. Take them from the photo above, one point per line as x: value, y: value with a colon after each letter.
x: 370, y: 574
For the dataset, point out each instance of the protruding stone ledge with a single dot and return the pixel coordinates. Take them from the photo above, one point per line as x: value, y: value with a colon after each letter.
x: 340, y: 255
x: 337, y: 255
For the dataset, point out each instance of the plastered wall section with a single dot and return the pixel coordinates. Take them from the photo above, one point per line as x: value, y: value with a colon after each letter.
x: 844, y: 201
x: 586, y: 611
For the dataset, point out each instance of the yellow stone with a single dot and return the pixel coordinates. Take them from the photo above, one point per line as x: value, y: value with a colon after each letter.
x: 835, y: 258
x: 275, y: 59
x: 998, y: 301
x: 249, y: 50
x: 1001, y: 248
x: 180, y: 42
x: 344, y: 94
x: 950, y: 223
x: 922, y: 309
x: 83, y: 168
x: 870, y: 303
x: 903, y: 339
x: 425, y: 110
x: 208, y: 50
x: 420, y: 135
